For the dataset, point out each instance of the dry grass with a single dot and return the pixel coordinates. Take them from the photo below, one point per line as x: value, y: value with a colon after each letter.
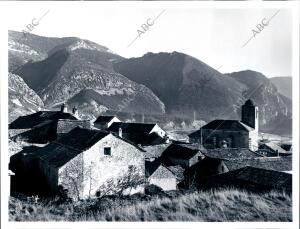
x: 210, y: 206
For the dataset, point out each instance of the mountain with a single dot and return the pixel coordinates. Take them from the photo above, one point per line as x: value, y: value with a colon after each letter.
x: 275, y: 110
x: 284, y: 85
x: 81, y: 73
x: 161, y: 86
x: 184, y: 84
x: 139, y: 101
x: 22, y: 99
x: 30, y: 48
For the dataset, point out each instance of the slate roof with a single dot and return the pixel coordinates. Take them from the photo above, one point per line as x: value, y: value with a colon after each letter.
x: 139, y: 133
x: 38, y: 118
x: 57, y: 155
x: 81, y: 138
x: 206, y: 167
x: 255, y: 179
x: 104, y: 119
x: 178, y: 171
x: 271, y: 163
x: 132, y: 127
x: 230, y: 153
x: 273, y: 147
x: 150, y: 167
x: 286, y: 146
x: 219, y: 124
x: 155, y: 151
x: 156, y: 169
x: 181, y: 151
x: 67, y: 147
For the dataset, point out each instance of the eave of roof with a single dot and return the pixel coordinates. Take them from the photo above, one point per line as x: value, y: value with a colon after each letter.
x: 102, y: 119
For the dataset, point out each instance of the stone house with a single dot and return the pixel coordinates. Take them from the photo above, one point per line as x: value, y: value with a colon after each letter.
x: 158, y: 174
x: 81, y: 162
x: 184, y: 155
x: 270, y: 149
x: 198, y: 174
x: 104, y: 122
x: 230, y: 133
x: 140, y: 133
x: 45, y: 126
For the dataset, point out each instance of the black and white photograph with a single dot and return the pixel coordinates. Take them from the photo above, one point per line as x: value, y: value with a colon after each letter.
x: 171, y: 112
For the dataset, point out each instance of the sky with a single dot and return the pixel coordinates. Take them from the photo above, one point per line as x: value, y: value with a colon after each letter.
x: 214, y: 36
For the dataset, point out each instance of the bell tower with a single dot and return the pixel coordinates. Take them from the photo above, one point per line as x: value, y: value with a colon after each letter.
x: 64, y: 108
x: 250, y: 114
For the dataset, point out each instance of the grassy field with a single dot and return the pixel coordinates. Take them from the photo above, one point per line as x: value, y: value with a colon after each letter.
x: 210, y: 206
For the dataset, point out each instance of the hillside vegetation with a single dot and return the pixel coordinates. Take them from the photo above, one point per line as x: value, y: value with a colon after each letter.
x: 209, y: 206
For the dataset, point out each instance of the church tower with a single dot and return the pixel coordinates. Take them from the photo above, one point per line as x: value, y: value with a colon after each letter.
x: 250, y: 114
x: 64, y: 108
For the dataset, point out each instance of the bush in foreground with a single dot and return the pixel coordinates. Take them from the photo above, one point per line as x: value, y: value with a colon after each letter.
x: 210, y: 206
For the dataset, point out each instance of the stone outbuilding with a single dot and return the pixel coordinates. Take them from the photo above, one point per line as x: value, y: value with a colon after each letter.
x: 45, y: 126
x: 272, y: 149
x: 140, y: 133
x: 80, y: 162
x: 159, y: 175
x: 105, y: 121
x: 182, y: 154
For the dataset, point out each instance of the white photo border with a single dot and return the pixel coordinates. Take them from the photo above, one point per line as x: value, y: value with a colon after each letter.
x: 6, y: 8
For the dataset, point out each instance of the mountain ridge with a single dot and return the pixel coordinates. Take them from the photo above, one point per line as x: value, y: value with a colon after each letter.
x: 82, y: 73
x: 72, y: 67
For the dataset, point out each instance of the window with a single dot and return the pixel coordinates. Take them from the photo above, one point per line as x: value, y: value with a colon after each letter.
x: 130, y: 167
x: 107, y: 151
x: 200, y: 158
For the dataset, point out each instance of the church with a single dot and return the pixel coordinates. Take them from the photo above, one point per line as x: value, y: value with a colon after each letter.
x: 230, y: 133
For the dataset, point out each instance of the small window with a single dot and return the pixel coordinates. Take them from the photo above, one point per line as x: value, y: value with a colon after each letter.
x: 107, y: 151
x: 130, y: 167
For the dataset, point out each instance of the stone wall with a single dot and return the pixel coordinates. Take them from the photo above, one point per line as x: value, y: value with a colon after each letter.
x: 65, y: 125
x: 97, y: 169
x: 166, y: 184
x: 213, y: 138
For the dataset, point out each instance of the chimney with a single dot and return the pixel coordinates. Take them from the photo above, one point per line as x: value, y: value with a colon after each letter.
x: 120, y: 132
x: 64, y: 108
x: 167, y: 139
x: 75, y: 111
x: 143, y: 118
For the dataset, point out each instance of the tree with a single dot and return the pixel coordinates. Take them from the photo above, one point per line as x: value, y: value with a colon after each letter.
x: 132, y: 179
